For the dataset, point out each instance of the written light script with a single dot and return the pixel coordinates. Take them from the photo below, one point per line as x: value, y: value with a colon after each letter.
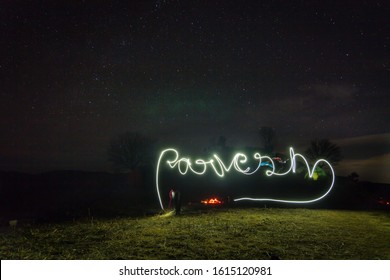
x: 239, y: 164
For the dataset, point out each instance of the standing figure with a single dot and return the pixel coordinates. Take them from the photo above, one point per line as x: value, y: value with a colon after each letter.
x: 171, y: 198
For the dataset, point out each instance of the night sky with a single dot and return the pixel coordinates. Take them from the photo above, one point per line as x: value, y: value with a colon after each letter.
x: 75, y: 75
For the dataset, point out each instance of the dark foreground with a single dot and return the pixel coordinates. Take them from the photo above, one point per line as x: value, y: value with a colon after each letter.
x: 212, y: 234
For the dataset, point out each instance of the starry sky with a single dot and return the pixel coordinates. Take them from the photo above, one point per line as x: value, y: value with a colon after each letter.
x: 75, y: 74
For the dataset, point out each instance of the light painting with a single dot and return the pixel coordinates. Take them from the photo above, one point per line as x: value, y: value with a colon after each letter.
x: 199, y: 167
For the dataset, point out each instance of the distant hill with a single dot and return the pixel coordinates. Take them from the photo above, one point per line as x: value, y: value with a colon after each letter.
x: 69, y: 194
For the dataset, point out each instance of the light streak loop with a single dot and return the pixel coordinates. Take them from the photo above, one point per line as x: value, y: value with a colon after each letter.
x: 184, y: 165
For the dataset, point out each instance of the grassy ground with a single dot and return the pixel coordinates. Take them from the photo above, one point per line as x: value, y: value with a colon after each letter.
x: 213, y: 234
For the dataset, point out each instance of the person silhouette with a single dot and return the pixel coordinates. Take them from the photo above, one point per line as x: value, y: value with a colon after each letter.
x: 171, y: 198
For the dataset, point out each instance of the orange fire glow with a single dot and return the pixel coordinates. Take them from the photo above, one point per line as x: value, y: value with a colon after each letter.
x: 212, y: 201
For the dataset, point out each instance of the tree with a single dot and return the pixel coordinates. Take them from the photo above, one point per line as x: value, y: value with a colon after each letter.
x: 267, y: 135
x: 354, y: 177
x: 130, y: 151
x: 323, y: 148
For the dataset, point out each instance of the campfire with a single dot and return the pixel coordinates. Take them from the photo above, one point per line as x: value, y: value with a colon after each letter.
x: 212, y: 201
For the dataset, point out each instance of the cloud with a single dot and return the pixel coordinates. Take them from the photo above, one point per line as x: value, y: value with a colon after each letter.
x: 367, y: 155
x: 319, y: 110
x: 365, y: 146
x: 330, y: 91
x: 375, y: 169
x: 323, y: 100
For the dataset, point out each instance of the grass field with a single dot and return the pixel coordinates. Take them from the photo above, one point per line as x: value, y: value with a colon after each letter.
x: 252, y: 233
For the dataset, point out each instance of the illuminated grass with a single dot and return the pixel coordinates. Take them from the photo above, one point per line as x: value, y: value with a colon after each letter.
x: 219, y: 234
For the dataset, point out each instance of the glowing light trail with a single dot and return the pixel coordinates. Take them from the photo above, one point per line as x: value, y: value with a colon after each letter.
x: 199, y: 167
